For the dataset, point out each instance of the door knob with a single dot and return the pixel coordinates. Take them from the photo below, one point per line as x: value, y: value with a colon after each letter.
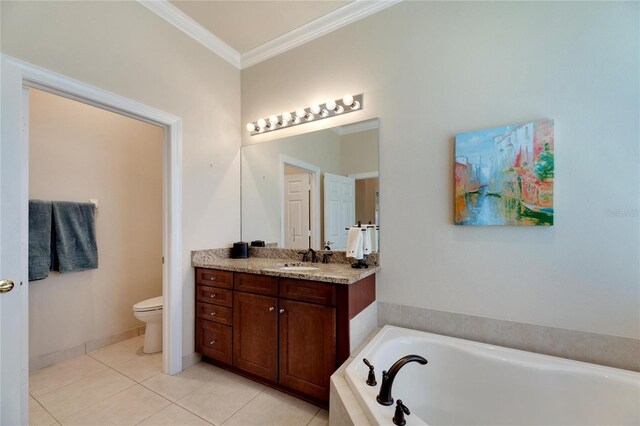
x: 6, y: 286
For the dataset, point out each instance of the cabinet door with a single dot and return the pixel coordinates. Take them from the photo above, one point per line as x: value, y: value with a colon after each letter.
x: 307, y: 347
x: 255, y: 335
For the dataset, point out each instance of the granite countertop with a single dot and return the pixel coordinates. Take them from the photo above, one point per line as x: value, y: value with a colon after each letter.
x: 337, y: 273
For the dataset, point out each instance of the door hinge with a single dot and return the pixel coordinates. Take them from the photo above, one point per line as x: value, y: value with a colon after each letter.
x: 163, y: 260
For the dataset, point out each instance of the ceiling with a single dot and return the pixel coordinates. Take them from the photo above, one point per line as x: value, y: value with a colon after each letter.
x: 245, y: 25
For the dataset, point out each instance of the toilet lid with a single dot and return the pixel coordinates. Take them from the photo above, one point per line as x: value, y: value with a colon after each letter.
x: 152, y: 304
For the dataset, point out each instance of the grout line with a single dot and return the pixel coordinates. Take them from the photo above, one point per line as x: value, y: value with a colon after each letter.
x: 313, y: 417
x: 45, y: 409
x: 96, y: 403
x: 248, y: 402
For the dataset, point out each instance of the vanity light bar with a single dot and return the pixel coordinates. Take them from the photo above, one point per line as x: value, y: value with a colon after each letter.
x: 349, y: 103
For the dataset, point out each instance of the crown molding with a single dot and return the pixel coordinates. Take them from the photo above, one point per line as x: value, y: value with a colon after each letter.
x: 182, y: 21
x: 357, y: 127
x: 325, y: 24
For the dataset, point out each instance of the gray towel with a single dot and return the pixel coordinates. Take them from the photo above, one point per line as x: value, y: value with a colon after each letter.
x: 74, y: 236
x: 39, y: 239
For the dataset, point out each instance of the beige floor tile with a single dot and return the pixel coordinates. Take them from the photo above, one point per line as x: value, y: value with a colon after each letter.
x: 128, y: 407
x: 141, y: 367
x: 275, y: 408
x: 220, y: 398
x: 59, y: 375
x: 179, y: 385
x: 38, y: 416
x: 174, y: 416
x: 68, y: 400
x: 320, y: 419
x: 117, y: 354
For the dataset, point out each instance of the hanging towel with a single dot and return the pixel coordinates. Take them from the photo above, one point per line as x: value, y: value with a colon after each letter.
x: 74, y: 236
x: 373, y: 232
x: 366, y: 242
x: 39, y: 239
x: 354, y: 243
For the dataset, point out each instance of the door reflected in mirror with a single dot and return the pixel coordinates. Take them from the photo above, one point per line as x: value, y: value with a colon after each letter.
x: 305, y: 191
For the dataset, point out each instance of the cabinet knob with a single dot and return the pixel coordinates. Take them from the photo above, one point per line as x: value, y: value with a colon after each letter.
x: 271, y: 309
x: 212, y: 342
x: 213, y: 313
x: 212, y: 278
x: 282, y: 311
x: 213, y: 295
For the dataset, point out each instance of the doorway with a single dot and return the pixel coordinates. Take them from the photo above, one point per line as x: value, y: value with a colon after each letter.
x: 16, y: 79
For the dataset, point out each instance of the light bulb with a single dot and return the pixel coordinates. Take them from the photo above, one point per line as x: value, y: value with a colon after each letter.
x: 300, y: 112
x: 250, y: 127
x: 339, y: 109
x: 347, y: 100
x: 331, y: 105
x: 315, y: 108
x: 324, y: 113
x: 309, y: 117
x: 273, y: 120
x: 286, y: 117
x: 262, y: 123
x: 355, y: 105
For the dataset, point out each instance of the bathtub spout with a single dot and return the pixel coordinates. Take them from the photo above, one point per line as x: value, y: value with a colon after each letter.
x: 384, y: 397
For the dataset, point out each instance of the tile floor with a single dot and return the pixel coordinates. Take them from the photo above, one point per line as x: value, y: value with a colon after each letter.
x: 119, y: 385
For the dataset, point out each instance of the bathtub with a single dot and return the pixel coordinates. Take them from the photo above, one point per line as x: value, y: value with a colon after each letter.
x: 470, y: 383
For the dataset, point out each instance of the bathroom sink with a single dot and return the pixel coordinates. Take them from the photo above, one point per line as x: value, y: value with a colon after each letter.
x: 298, y: 268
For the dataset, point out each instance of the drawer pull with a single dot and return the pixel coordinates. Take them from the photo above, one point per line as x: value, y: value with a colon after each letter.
x: 282, y: 311
x: 213, y: 295
x: 213, y: 313
x: 212, y: 278
x: 212, y: 342
x: 271, y: 309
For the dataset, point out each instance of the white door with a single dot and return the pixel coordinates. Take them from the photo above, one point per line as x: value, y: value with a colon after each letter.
x: 339, y: 209
x: 297, y: 189
x: 13, y: 249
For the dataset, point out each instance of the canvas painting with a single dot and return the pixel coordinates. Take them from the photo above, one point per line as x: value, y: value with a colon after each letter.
x: 504, y: 176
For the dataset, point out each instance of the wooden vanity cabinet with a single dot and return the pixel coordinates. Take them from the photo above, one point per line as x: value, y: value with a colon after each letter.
x: 288, y: 333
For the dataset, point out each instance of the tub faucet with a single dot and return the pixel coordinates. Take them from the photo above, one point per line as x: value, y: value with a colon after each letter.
x: 384, y: 397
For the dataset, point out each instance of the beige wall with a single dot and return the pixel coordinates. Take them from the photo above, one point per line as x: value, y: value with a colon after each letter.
x: 366, y: 200
x: 124, y: 48
x: 359, y: 152
x: 261, y: 204
x: 78, y: 152
x: 429, y: 70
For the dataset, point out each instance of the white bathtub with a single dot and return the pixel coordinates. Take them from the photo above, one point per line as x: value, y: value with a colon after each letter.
x: 469, y: 383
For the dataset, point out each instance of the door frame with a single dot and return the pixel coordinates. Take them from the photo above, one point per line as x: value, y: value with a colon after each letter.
x: 365, y: 175
x: 19, y: 75
x: 314, y: 207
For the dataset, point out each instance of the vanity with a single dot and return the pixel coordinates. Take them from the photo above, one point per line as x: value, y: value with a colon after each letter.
x: 286, y: 329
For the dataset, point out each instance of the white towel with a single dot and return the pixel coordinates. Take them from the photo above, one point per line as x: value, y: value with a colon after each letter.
x: 354, y: 243
x: 366, y: 242
x: 373, y: 235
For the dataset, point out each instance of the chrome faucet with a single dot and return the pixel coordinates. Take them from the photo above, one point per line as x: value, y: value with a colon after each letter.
x: 384, y: 397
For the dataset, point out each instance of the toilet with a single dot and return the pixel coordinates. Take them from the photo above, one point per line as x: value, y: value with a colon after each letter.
x: 150, y: 312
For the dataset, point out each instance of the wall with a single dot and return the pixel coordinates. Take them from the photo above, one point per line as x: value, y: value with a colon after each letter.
x: 359, y: 152
x: 366, y: 200
x: 261, y: 207
x: 78, y: 152
x: 429, y: 70
x: 124, y: 48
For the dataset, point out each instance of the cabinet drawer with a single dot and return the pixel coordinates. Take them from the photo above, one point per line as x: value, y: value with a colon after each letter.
x: 259, y: 284
x: 308, y: 291
x: 214, y: 277
x: 214, y: 340
x: 214, y: 295
x: 214, y: 313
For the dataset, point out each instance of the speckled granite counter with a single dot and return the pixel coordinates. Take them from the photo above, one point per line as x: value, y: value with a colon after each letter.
x: 337, y: 273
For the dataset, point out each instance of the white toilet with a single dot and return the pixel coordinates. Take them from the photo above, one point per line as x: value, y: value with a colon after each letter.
x: 150, y: 312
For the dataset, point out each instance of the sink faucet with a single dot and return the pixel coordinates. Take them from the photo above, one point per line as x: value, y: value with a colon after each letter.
x: 305, y: 255
x: 384, y: 397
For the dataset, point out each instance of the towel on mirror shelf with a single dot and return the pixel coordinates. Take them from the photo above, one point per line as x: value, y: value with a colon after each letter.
x: 366, y: 242
x: 39, y: 239
x: 354, y: 243
x: 373, y: 235
x: 74, y: 231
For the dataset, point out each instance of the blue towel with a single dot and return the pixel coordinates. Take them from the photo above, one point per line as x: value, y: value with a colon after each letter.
x: 74, y: 236
x: 39, y: 239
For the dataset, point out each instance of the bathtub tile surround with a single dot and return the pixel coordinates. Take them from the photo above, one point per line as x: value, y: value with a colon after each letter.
x: 362, y: 325
x: 612, y: 351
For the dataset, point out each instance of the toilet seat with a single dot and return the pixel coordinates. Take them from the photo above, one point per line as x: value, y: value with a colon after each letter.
x: 153, y: 304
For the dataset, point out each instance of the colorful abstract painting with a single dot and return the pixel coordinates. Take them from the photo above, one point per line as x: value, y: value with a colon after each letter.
x: 504, y: 176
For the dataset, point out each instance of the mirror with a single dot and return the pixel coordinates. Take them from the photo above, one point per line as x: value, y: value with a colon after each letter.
x: 305, y: 191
